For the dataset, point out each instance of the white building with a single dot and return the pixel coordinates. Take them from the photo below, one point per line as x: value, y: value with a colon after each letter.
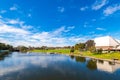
x: 107, y: 42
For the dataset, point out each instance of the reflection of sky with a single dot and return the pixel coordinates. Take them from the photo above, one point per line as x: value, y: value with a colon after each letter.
x: 50, y: 67
x: 22, y: 61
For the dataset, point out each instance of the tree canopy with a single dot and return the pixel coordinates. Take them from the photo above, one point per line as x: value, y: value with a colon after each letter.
x: 4, y: 46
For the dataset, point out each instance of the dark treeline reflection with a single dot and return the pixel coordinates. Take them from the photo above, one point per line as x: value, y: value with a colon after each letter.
x: 91, y: 64
x: 3, y: 55
x: 100, y: 61
x: 80, y: 59
x: 72, y: 56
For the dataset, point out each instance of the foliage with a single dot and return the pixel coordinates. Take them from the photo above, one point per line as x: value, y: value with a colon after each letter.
x: 103, y: 56
x: 80, y: 46
x: 4, y: 46
x: 99, y: 51
x: 72, y: 50
x: 92, y: 49
x: 85, y: 53
x: 90, y: 45
x: 22, y: 48
x: 62, y: 51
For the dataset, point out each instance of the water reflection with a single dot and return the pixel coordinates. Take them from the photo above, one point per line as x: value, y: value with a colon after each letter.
x: 80, y: 59
x: 108, y: 66
x: 101, y: 65
x: 21, y: 61
x: 72, y: 57
x: 3, y: 55
x: 34, y: 66
x: 91, y: 64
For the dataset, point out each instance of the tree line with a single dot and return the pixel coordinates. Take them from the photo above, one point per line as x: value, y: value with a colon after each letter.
x: 4, y: 46
x: 86, y: 46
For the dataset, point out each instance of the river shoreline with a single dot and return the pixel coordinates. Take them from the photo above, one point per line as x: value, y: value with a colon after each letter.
x: 111, y: 60
x: 107, y: 57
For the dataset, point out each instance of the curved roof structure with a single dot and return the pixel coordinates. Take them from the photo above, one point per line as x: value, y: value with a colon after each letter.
x: 106, y: 41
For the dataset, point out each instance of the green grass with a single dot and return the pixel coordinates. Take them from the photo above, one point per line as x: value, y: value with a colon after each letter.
x: 103, y: 55
x: 84, y: 53
x: 63, y: 51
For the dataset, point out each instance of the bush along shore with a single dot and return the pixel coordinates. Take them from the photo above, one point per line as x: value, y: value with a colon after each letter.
x: 107, y: 56
x: 86, y: 49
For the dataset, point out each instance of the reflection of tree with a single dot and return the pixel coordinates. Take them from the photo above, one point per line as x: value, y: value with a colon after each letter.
x: 111, y: 63
x: 80, y: 59
x: 92, y: 64
x: 72, y: 57
x: 3, y: 55
x: 101, y: 61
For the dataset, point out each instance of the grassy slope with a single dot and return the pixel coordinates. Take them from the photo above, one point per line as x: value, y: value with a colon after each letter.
x: 86, y: 53
x: 63, y: 51
x: 104, y: 55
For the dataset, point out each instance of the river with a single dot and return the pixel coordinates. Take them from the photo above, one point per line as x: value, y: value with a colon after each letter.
x: 40, y: 66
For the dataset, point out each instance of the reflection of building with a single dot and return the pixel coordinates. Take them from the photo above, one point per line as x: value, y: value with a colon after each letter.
x: 106, y: 43
x: 107, y: 66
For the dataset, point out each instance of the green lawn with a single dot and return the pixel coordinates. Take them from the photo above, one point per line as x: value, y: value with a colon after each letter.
x: 85, y: 53
x: 104, y: 55
x: 62, y: 51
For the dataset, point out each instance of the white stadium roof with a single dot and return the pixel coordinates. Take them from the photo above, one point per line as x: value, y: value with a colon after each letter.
x: 106, y: 41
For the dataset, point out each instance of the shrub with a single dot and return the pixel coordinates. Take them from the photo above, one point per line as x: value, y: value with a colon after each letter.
x: 92, y: 49
x: 99, y: 51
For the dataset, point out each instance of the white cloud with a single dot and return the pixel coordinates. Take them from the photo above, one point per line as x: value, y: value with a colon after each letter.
x: 13, y: 24
x: 13, y: 8
x: 111, y: 9
x: 29, y: 15
x: 15, y: 21
x: 10, y: 29
x: 61, y: 9
x: 14, y: 35
x: 86, y: 25
x: 26, y: 27
x: 83, y: 8
x: 101, y: 29
x: 3, y: 11
x: 60, y: 30
x: 71, y: 27
x: 0, y: 16
x: 99, y: 4
x: 93, y: 20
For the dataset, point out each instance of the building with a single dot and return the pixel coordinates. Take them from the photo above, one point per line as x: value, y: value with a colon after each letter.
x: 107, y: 43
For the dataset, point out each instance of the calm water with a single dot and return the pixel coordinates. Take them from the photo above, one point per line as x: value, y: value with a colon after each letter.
x: 33, y: 66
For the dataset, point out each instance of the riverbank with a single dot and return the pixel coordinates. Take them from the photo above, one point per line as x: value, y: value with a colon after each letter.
x: 105, y: 56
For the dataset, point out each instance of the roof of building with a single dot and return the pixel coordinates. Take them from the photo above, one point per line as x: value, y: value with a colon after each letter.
x: 106, y: 41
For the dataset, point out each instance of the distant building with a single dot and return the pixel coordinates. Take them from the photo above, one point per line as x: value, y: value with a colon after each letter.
x: 107, y: 43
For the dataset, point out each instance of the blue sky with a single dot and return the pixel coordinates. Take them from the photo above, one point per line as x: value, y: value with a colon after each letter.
x: 57, y: 22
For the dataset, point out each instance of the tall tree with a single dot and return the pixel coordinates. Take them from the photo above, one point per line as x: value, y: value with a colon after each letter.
x: 89, y: 44
x: 80, y: 46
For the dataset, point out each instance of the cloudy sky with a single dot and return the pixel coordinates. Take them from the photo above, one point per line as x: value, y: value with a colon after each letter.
x: 57, y: 22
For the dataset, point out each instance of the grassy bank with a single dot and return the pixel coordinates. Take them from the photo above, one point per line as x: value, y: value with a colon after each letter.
x: 85, y: 53
x: 61, y: 51
x: 103, y: 55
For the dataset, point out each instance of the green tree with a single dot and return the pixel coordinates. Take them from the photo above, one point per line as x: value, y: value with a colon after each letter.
x: 80, y: 46
x: 90, y: 45
x: 72, y: 50
x: 4, y: 46
x: 22, y: 48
